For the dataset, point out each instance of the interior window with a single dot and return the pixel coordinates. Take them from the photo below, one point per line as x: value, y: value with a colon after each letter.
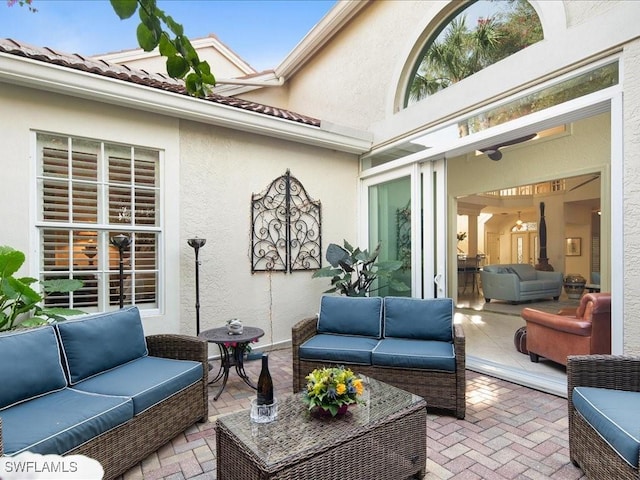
x: 473, y: 38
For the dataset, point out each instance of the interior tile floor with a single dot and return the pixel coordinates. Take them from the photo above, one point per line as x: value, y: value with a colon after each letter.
x: 490, y: 346
x: 510, y: 432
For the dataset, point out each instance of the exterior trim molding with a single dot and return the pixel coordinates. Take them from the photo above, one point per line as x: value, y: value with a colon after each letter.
x: 53, y: 78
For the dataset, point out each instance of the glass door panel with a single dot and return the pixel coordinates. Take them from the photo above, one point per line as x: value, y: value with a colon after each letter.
x: 390, y: 226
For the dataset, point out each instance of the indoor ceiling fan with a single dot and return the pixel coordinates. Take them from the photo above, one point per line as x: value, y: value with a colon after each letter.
x: 494, y: 153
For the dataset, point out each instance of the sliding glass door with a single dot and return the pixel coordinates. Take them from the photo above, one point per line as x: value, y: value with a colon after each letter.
x: 404, y: 214
x: 390, y: 227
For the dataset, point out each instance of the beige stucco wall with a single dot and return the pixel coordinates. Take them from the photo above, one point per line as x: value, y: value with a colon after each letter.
x: 220, y: 169
x: 631, y: 189
x: 25, y: 111
x: 347, y: 82
x: 209, y: 174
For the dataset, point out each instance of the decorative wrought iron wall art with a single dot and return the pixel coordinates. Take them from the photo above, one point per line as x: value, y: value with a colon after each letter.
x: 285, y: 228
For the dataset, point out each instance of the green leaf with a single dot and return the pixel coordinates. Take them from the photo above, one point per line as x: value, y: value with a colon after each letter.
x: 124, y: 8
x: 167, y: 48
x: 336, y: 254
x: 326, y: 272
x: 188, y: 51
x: 398, y: 286
x: 147, y: 39
x: 194, y: 85
x: 205, y: 73
x: 59, y: 314
x: 177, y: 67
x: 389, y: 265
x: 33, y: 322
x: 62, y: 285
x: 14, y: 288
x: 176, y: 28
x: 10, y: 261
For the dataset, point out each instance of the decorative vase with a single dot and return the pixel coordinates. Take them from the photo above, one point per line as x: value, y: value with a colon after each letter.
x: 234, y: 327
x: 320, y: 412
x: 574, y: 285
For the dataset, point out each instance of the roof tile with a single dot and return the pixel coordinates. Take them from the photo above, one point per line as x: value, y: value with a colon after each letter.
x: 141, y: 77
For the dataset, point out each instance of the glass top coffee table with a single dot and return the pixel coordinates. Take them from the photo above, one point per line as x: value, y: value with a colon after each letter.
x: 386, y: 438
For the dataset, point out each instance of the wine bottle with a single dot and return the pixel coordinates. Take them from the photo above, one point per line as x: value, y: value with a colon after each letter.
x: 265, y: 384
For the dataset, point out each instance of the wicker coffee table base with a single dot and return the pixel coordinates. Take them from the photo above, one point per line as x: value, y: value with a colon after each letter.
x: 395, y: 449
x: 384, y: 438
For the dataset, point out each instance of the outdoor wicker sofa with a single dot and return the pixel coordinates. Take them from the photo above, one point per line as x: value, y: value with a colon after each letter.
x: 410, y: 343
x: 604, y: 415
x: 98, y: 387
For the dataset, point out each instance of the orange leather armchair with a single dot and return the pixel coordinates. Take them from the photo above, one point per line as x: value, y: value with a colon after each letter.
x: 584, y: 331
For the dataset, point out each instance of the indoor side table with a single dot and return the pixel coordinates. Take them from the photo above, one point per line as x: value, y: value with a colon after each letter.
x: 386, y: 438
x: 221, y: 337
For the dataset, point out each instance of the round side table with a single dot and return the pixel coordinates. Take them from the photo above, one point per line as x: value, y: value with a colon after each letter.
x: 221, y: 337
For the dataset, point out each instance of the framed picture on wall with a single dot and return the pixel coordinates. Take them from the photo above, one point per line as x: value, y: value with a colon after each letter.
x: 573, y: 247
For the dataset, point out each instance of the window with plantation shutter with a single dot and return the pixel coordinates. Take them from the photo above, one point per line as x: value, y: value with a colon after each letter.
x: 88, y: 192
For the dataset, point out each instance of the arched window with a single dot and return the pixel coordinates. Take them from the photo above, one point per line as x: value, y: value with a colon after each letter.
x: 472, y: 38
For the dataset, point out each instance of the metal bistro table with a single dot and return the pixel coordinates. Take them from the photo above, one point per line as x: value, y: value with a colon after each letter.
x: 221, y: 337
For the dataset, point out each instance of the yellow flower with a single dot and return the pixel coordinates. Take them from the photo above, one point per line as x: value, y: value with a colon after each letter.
x: 341, y: 388
x: 357, y: 384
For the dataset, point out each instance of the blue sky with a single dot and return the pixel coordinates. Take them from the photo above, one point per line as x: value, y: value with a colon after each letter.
x: 262, y: 32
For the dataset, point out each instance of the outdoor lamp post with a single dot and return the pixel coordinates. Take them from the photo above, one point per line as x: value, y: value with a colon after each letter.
x: 121, y: 242
x: 197, y: 243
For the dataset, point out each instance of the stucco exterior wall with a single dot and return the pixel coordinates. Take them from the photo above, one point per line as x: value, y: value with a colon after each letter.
x: 631, y: 188
x: 220, y: 170
x: 348, y: 81
x: 26, y: 111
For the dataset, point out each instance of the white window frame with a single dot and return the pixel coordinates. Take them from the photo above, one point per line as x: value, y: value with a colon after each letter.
x: 105, y: 268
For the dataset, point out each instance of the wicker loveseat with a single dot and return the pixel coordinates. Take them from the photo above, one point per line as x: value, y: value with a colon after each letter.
x: 97, y: 387
x: 406, y: 342
x: 604, y: 415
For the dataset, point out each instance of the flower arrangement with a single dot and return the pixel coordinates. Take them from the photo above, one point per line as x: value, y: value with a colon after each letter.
x: 236, y: 347
x: 332, y: 389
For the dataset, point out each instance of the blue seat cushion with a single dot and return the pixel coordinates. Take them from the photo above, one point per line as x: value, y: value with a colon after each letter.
x: 351, y: 316
x: 338, y: 349
x: 148, y: 380
x: 423, y: 354
x: 96, y: 343
x: 60, y: 421
x: 420, y: 319
x: 615, y: 415
x: 30, y: 365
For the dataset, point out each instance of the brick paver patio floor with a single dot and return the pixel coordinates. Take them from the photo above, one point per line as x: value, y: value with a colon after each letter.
x: 510, y: 432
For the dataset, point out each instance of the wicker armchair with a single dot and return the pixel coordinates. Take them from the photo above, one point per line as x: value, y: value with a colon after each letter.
x: 587, y: 448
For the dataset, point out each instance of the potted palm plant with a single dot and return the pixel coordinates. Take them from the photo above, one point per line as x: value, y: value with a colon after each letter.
x: 353, y: 271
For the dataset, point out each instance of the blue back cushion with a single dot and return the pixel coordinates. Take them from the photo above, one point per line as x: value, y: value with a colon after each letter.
x: 415, y: 318
x: 100, y: 342
x: 351, y: 316
x: 30, y: 365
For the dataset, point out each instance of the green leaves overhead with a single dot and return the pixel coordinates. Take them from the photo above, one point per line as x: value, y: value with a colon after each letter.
x: 182, y: 59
